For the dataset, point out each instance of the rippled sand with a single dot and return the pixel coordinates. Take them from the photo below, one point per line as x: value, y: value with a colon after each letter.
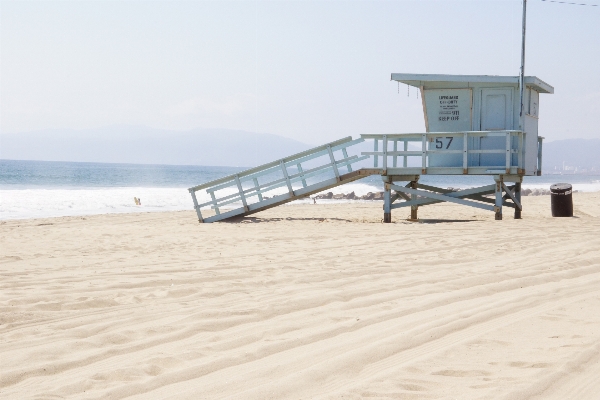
x: 307, y: 301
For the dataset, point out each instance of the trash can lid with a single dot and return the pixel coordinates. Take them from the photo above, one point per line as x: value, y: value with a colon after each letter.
x: 560, y: 187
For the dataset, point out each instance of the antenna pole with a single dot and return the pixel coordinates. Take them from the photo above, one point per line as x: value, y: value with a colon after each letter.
x: 522, y: 76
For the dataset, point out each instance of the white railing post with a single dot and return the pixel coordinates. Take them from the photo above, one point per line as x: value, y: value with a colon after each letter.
x: 375, y: 149
x: 214, y: 199
x: 520, y: 154
x: 287, y: 178
x: 385, y: 145
x: 196, y: 206
x: 395, y: 156
x: 345, y: 153
x: 333, y: 163
x: 424, y: 153
x: 301, y: 174
x: 539, y: 160
x: 405, y: 163
x: 508, y: 153
x: 239, y: 185
x: 257, y: 186
x: 465, y: 153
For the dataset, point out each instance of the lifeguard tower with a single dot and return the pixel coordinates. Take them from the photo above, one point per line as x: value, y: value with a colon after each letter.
x: 473, y: 127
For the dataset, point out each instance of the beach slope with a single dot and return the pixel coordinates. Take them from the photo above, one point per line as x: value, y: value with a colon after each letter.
x: 303, y: 301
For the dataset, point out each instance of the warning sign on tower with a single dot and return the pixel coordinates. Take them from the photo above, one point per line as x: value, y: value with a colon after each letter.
x: 448, y: 110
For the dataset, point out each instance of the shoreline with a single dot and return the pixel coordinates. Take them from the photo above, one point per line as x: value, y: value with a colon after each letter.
x: 54, y: 200
x: 302, y: 202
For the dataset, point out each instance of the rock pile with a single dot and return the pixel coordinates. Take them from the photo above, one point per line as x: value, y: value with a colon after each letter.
x: 350, y: 196
x: 379, y: 195
x: 535, y: 192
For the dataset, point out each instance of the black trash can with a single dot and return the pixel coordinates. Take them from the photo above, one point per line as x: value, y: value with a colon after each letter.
x: 561, y: 195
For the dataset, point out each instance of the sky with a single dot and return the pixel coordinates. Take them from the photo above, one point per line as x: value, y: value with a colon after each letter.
x: 313, y: 71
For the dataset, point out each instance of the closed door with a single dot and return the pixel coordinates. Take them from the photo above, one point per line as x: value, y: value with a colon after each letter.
x: 496, y: 115
x: 496, y: 107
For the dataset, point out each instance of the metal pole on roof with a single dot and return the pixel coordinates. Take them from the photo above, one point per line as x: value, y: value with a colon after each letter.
x: 522, y: 76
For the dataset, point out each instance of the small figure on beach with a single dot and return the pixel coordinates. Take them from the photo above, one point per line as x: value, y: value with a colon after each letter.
x: 314, y: 200
x: 137, y: 201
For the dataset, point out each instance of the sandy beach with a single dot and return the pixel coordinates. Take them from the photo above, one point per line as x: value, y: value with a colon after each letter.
x: 303, y: 302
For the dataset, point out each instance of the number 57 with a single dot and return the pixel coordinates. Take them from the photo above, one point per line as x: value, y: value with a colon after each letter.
x: 439, y: 144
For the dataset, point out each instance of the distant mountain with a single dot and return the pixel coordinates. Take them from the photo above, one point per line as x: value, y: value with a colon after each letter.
x: 218, y: 147
x: 142, y: 145
x: 574, y: 155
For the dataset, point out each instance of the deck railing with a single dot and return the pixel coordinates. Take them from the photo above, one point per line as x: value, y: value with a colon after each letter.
x: 508, y: 150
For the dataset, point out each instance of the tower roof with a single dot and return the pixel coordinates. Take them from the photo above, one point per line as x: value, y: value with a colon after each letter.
x: 418, y: 80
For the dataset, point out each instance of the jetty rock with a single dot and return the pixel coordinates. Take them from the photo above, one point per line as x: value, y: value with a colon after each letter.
x: 540, y: 192
x: 328, y: 195
x: 378, y: 196
x: 350, y: 196
x: 368, y: 196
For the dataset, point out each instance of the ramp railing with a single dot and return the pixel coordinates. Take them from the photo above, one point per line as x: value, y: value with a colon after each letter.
x: 279, y: 182
x: 425, y: 146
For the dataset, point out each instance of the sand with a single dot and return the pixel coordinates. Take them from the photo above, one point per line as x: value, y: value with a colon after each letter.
x: 302, y: 302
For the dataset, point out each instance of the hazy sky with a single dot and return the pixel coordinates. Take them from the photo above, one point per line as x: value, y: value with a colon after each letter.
x: 309, y: 70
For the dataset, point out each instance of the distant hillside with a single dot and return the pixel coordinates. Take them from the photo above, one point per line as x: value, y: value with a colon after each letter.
x: 583, y: 154
x: 141, y: 145
x: 218, y: 147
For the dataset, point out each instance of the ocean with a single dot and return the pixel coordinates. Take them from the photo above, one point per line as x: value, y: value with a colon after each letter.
x: 39, y: 189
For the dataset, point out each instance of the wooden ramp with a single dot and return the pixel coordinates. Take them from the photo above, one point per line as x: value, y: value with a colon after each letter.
x: 281, y: 181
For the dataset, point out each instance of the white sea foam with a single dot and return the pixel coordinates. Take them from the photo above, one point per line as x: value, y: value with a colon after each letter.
x: 41, y: 203
x: 38, y: 203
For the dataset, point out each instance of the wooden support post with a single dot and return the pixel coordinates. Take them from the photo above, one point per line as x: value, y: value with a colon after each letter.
x: 499, y: 200
x: 405, y: 162
x: 414, y: 209
x: 518, y: 197
x: 387, y: 203
x: 433, y: 195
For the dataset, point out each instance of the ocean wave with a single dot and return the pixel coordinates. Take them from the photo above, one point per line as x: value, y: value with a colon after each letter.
x: 42, y: 203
